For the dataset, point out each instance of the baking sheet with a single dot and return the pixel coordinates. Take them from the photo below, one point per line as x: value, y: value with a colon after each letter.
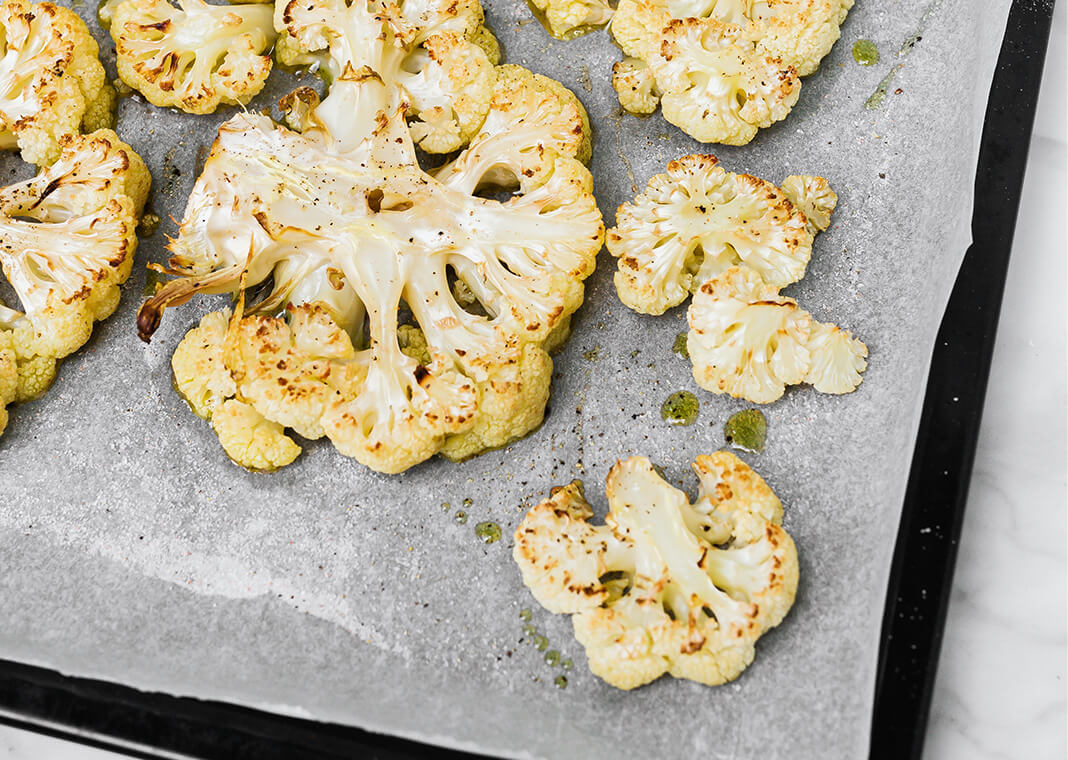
x: 132, y: 550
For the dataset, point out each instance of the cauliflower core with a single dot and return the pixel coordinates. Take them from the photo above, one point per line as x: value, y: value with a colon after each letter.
x: 664, y: 586
x: 51, y: 83
x: 66, y: 244
x: 195, y: 56
x: 721, y: 69
x: 567, y: 19
x: 396, y: 311
x: 733, y: 241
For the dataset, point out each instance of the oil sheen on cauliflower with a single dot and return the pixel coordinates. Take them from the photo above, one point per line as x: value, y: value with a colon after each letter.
x: 664, y: 586
x: 733, y: 241
x: 51, y: 83
x: 398, y: 312
x: 66, y: 244
x: 194, y: 56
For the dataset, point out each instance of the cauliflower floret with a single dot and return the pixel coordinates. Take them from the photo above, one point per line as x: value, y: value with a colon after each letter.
x: 813, y: 197
x: 716, y: 85
x: 664, y: 586
x: 67, y: 241
x: 694, y: 222
x: 838, y: 359
x: 345, y: 225
x: 745, y: 339
x: 438, y: 52
x: 635, y: 85
x: 199, y: 366
x: 51, y: 83
x: 567, y: 19
x: 450, y: 91
x: 251, y: 440
x: 194, y: 56
x: 799, y: 32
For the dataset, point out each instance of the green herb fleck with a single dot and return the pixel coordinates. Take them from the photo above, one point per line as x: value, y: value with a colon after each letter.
x: 541, y: 643
x: 460, y: 516
x: 552, y: 657
x: 865, y: 53
x: 593, y: 354
x: 679, y: 346
x: 529, y: 630
x: 152, y: 283
x: 488, y: 532
x: 567, y: 664
x: 148, y: 225
x: 468, y: 503
x: 561, y: 682
x: 525, y: 615
x: 747, y: 430
x: 876, y: 99
x: 445, y: 506
x: 680, y: 408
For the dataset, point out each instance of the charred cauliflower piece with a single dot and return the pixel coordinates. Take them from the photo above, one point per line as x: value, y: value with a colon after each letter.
x: 749, y: 342
x: 733, y: 241
x: 437, y: 53
x: 396, y: 312
x: 714, y: 82
x: 194, y: 56
x: 722, y: 68
x: 694, y: 222
x: 745, y: 339
x: 51, y: 83
x: 571, y: 18
x: 664, y: 586
x: 66, y: 244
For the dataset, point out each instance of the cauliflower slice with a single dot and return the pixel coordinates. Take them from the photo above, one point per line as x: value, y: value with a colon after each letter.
x: 567, y: 19
x: 838, y: 359
x: 664, y: 586
x: 635, y: 85
x: 716, y: 85
x: 745, y: 339
x: 799, y: 32
x: 251, y: 440
x: 67, y: 241
x: 337, y: 219
x: 51, y: 83
x: 437, y: 52
x: 694, y: 222
x: 194, y: 56
x: 814, y: 197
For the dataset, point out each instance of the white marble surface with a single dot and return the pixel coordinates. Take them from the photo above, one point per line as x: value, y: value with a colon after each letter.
x: 1000, y: 691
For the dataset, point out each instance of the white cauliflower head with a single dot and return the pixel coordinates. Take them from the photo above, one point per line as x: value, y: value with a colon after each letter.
x: 694, y: 222
x: 350, y: 254
x: 195, y: 56
x: 664, y: 586
x: 51, y: 83
x: 67, y: 242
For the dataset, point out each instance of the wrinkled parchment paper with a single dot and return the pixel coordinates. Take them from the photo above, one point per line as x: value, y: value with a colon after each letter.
x: 132, y: 550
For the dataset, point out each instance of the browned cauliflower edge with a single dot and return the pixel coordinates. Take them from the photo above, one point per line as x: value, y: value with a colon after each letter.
x: 51, y: 82
x: 398, y: 312
x: 66, y: 245
x: 664, y: 586
x: 733, y: 241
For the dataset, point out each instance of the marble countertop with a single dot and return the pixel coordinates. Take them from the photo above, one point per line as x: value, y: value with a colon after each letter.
x: 1000, y: 690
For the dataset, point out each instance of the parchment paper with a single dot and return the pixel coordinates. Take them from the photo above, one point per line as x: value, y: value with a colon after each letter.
x: 132, y: 550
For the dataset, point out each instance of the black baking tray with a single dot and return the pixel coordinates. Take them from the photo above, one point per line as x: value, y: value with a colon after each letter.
x: 149, y: 725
